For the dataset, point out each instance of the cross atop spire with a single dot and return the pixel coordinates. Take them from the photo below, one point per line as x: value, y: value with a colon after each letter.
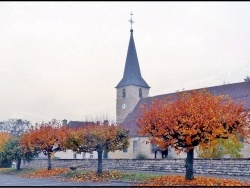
x: 131, y: 21
x: 132, y: 73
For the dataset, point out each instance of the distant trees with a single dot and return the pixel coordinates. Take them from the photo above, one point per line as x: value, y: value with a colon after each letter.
x: 11, y: 131
x: 15, y: 127
x: 191, y: 119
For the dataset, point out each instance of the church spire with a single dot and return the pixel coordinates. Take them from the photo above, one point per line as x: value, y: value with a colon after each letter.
x: 132, y: 73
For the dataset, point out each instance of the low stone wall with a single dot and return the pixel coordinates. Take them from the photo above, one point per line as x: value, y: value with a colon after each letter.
x: 235, y: 167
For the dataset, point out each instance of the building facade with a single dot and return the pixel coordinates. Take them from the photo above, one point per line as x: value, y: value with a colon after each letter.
x: 133, y: 91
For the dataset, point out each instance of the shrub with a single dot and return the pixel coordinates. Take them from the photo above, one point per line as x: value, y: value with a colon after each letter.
x: 141, y: 156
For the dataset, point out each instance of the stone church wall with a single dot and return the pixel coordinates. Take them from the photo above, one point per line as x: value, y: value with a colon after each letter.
x: 235, y: 167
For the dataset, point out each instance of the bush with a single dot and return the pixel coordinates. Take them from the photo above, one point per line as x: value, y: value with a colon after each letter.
x: 141, y: 156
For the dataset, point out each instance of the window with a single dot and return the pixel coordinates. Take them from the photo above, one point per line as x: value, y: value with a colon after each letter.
x: 124, y: 93
x: 125, y: 150
x: 91, y: 156
x: 140, y: 93
x: 74, y: 155
x: 134, y: 146
x: 83, y: 155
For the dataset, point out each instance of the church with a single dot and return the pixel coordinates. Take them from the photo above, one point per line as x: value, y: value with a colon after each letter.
x: 133, y: 91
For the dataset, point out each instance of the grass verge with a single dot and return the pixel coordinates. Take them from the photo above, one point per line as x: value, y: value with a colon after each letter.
x: 141, y: 179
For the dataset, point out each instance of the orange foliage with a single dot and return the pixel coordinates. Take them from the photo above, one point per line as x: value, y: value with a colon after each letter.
x: 178, y: 180
x: 4, y: 137
x: 96, y: 137
x: 44, y: 138
x: 193, y: 118
x: 43, y: 173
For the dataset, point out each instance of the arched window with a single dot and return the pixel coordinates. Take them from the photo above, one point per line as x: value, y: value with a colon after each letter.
x: 140, y: 93
x: 124, y: 93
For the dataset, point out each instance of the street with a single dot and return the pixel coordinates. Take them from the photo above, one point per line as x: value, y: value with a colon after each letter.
x: 12, y: 180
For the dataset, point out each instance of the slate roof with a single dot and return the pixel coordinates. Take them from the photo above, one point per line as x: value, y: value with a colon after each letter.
x: 75, y: 124
x: 132, y: 73
x: 237, y: 91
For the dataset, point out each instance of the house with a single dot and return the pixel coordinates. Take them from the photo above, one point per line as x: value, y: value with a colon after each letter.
x: 69, y: 154
x: 132, y: 92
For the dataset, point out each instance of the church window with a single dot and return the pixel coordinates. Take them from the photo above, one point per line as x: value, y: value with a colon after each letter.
x: 124, y: 93
x: 140, y: 93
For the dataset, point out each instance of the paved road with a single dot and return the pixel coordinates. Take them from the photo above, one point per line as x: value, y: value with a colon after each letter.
x: 12, y: 180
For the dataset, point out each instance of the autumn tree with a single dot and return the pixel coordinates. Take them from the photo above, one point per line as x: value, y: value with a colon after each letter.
x: 218, y: 148
x: 46, y: 138
x: 4, y: 137
x: 189, y: 119
x: 100, y: 138
x: 12, y: 151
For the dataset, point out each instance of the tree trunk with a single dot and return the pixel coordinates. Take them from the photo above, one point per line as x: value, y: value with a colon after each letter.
x: 189, y: 165
x: 49, y: 161
x: 18, y: 165
x: 99, y: 168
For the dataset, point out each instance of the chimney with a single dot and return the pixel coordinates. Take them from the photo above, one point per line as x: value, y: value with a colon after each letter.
x: 105, y: 122
x: 64, y: 122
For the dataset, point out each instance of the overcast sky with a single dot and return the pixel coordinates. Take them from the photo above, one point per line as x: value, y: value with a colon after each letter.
x: 63, y: 59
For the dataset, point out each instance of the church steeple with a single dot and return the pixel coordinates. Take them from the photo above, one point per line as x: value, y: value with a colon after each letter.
x: 132, y: 73
x: 132, y: 87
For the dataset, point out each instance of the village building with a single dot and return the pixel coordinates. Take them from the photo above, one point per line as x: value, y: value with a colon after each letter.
x: 132, y: 92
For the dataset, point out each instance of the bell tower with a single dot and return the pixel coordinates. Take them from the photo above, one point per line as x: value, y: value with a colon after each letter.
x: 132, y: 86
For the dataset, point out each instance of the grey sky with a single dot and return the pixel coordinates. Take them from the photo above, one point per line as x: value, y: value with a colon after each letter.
x: 63, y: 59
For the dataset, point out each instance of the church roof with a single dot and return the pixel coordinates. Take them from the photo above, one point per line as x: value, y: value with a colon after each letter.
x: 132, y: 73
x: 237, y: 91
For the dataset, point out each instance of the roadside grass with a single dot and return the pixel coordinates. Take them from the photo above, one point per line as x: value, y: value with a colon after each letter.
x: 12, y: 171
x: 139, y: 179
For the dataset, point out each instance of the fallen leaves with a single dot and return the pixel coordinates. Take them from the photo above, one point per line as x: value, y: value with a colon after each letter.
x: 42, y: 173
x: 65, y: 174
x: 92, y: 176
x: 178, y: 180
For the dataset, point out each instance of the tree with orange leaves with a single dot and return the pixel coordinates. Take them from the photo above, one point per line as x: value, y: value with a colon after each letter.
x: 4, y: 138
x: 193, y: 118
x: 46, y: 138
x: 100, y: 138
